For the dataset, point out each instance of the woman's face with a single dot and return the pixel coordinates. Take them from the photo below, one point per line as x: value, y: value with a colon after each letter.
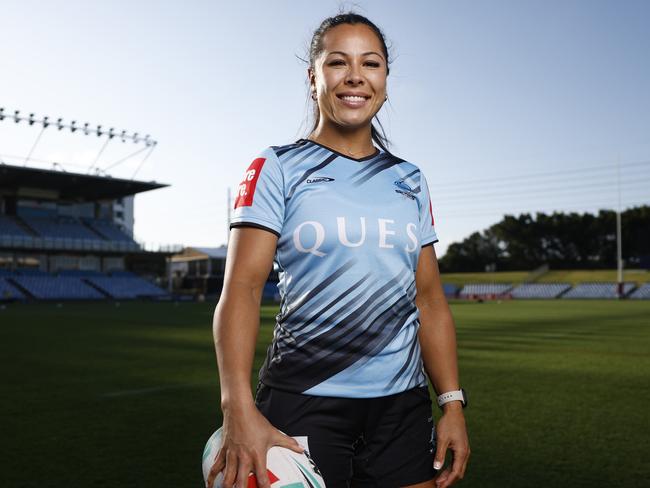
x: 349, y: 76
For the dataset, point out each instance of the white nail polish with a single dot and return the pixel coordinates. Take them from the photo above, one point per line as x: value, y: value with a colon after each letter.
x: 437, y: 465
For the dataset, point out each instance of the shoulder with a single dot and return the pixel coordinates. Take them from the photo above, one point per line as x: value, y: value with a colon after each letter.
x: 285, y: 150
x: 404, y: 164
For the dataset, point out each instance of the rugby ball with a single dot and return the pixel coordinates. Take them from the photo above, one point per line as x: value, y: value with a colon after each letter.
x: 285, y: 468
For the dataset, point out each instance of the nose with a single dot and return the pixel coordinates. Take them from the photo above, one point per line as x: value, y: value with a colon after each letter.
x: 354, y: 76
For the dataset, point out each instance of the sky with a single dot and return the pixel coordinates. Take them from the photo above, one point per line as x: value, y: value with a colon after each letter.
x: 506, y: 106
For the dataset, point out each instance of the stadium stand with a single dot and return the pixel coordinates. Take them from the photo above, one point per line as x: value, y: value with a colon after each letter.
x: 8, y: 291
x: 108, y: 230
x: 540, y: 290
x: 83, y: 273
x: 57, y: 288
x: 30, y: 272
x: 598, y: 290
x: 126, y: 287
x: 60, y: 227
x: 451, y: 290
x: 10, y: 227
x: 641, y: 293
x: 484, y: 290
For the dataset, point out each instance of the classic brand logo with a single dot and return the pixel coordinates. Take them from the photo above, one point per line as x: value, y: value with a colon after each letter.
x: 318, y: 179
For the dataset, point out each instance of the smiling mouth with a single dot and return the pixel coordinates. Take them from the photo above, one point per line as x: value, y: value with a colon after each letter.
x: 353, y: 100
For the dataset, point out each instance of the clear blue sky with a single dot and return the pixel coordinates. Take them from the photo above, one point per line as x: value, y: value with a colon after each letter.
x: 482, y: 93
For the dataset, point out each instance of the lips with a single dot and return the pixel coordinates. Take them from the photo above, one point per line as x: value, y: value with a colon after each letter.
x: 353, y: 100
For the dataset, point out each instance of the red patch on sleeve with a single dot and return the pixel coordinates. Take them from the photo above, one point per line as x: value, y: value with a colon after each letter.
x: 431, y: 212
x: 246, y: 188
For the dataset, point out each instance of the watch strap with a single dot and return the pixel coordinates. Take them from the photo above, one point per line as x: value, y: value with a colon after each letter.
x: 451, y: 396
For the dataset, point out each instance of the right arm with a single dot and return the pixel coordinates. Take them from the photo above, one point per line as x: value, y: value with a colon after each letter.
x: 246, y: 435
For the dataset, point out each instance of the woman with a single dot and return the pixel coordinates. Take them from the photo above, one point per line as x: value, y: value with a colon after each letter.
x: 363, y: 314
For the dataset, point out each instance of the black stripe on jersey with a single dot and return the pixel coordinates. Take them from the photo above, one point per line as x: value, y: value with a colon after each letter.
x: 312, y: 358
x: 306, y: 322
x: 378, y: 168
x: 317, y: 289
x: 368, y: 167
x: 405, y: 366
x: 308, y: 152
x: 381, y: 332
x: 280, y: 150
x: 254, y: 224
x: 307, y: 173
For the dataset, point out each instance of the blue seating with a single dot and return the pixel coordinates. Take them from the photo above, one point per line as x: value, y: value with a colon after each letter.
x: 450, y: 290
x: 9, y: 291
x: 78, y: 272
x: 30, y: 272
x: 121, y: 272
x: 540, y: 290
x: 598, y: 290
x: 484, y: 290
x: 107, y: 229
x: 125, y: 287
x: 9, y: 227
x: 62, y: 227
x: 641, y: 293
x: 57, y: 287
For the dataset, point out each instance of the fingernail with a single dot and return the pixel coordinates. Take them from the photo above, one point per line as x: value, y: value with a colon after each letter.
x: 437, y: 465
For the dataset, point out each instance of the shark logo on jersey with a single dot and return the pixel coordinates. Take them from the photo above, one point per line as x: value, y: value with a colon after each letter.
x: 404, y: 189
x: 319, y: 179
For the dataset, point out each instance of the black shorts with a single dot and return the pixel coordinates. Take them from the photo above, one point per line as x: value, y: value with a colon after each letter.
x: 383, y: 442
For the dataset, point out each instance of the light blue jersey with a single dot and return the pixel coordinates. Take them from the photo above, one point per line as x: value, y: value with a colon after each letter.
x: 349, y: 235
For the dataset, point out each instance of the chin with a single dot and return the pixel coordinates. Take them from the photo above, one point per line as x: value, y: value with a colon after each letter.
x: 353, y: 122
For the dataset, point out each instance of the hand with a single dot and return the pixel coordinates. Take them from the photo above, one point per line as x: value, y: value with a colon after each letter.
x: 246, y: 438
x: 452, y: 434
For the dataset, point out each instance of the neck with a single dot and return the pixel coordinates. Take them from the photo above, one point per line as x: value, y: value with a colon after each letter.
x: 355, y: 142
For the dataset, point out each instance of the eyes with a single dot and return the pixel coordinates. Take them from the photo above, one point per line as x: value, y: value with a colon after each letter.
x: 340, y: 62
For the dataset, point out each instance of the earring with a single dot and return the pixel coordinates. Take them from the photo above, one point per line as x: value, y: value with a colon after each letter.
x: 313, y: 95
x: 386, y: 99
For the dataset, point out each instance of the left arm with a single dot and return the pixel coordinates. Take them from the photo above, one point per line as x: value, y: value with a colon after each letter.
x: 437, y: 336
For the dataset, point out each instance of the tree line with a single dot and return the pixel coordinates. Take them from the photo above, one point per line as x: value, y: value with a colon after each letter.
x: 561, y: 240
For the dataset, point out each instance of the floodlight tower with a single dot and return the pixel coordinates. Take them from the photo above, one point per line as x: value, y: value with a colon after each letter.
x: 146, y: 143
x: 619, y: 243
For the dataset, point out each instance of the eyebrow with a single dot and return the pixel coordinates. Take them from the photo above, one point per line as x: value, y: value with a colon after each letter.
x: 363, y: 54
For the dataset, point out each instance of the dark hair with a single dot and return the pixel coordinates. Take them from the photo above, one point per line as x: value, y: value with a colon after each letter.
x: 316, y: 48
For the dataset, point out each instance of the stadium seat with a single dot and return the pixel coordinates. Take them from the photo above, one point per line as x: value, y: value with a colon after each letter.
x: 10, y: 227
x: 62, y: 227
x: 540, y: 290
x: 641, y: 293
x: 57, y: 287
x: 451, y: 290
x: 9, y: 291
x: 598, y: 290
x: 109, y: 230
x: 484, y: 290
x: 126, y: 287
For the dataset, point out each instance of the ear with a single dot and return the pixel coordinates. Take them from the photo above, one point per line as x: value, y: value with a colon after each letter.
x: 312, y: 78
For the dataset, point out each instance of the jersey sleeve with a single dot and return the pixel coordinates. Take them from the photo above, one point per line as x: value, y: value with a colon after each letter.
x: 259, y: 201
x: 427, y: 224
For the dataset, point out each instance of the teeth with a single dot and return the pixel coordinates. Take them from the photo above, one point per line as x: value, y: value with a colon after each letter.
x: 353, y: 98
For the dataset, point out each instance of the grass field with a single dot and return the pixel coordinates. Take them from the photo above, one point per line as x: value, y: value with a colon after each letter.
x: 98, y: 395
x: 574, y: 277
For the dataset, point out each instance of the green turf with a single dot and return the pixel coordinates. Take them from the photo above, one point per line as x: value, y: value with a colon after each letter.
x: 95, y: 395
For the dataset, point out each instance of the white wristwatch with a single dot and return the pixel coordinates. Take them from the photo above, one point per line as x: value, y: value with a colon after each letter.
x: 450, y: 396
